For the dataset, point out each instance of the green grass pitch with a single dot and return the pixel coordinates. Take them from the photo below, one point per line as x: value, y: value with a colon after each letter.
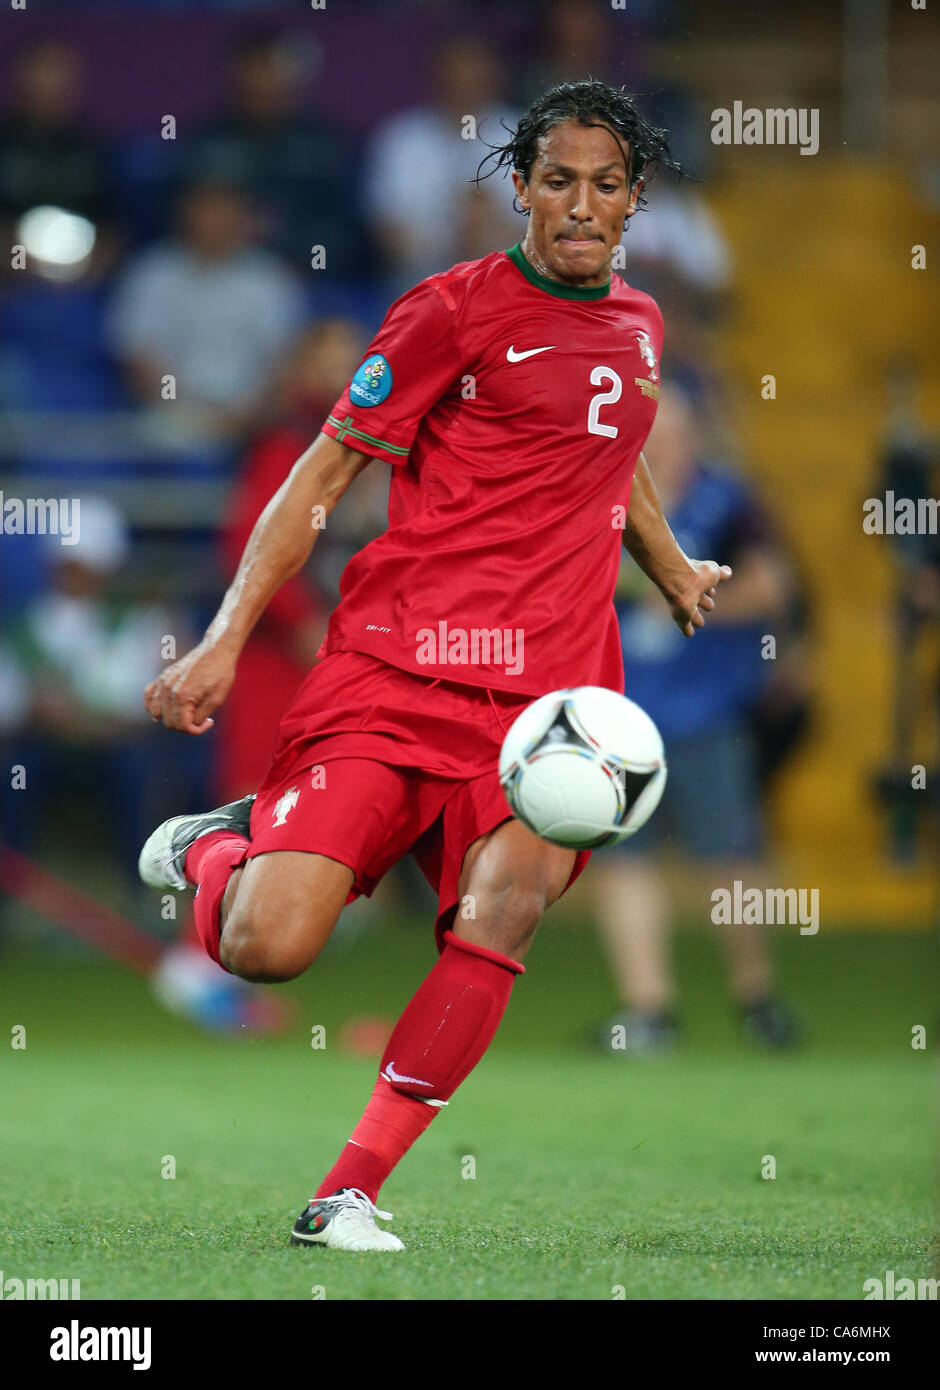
x: 590, y: 1172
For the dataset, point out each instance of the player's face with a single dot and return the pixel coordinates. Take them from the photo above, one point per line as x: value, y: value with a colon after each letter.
x: 578, y: 195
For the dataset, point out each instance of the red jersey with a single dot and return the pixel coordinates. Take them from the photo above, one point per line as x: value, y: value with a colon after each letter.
x: 513, y: 409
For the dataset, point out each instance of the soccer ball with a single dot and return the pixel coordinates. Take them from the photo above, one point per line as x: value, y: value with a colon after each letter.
x: 583, y: 767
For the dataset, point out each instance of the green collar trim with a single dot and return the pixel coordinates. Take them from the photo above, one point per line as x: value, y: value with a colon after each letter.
x: 555, y: 287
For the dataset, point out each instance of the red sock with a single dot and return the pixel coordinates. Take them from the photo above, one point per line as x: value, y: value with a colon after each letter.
x: 389, y: 1126
x: 437, y: 1042
x: 188, y: 935
x: 209, y: 864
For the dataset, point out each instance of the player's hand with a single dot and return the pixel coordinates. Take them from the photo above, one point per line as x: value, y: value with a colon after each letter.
x: 697, y: 596
x: 188, y: 692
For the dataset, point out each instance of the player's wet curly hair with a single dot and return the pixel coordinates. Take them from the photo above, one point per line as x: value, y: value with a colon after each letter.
x: 590, y: 103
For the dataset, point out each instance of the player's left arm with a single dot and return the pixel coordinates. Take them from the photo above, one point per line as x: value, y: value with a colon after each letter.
x: 688, y: 586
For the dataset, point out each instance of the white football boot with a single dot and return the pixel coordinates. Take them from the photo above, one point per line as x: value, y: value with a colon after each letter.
x: 345, y: 1221
x: 161, y: 860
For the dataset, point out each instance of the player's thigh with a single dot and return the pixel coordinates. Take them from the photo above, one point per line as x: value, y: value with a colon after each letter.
x: 286, y: 906
x: 511, y: 876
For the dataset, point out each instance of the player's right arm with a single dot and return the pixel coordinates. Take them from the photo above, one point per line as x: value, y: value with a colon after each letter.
x: 185, y: 695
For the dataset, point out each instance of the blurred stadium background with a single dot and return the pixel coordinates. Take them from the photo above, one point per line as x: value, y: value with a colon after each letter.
x: 217, y: 202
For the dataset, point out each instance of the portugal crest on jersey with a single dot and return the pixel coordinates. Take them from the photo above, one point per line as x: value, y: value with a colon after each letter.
x: 644, y: 343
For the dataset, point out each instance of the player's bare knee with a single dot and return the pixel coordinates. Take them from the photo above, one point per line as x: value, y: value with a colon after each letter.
x: 282, y: 915
x: 509, y: 879
x: 254, y: 952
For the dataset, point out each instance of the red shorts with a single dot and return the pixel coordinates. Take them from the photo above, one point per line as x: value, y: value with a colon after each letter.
x: 373, y: 763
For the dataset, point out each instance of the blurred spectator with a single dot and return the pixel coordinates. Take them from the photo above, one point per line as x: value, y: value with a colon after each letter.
x: 910, y: 470
x: 427, y: 213
x: 208, y: 308
x: 699, y: 692
x: 284, y: 645
x: 925, y: 596
x: 675, y: 248
x: 77, y: 659
x: 578, y: 41
x: 14, y: 692
x: 297, y: 169
x: 54, y: 350
x: 47, y: 156
x: 54, y: 203
x: 590, y: 38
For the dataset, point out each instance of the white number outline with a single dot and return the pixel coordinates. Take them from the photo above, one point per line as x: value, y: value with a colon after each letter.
x: 598, y: 375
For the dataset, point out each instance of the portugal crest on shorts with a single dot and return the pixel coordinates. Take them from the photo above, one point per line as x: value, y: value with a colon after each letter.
x: 285, y: 805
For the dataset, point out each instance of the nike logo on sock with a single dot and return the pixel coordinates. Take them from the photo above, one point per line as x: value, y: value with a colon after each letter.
x: 391, y: 1074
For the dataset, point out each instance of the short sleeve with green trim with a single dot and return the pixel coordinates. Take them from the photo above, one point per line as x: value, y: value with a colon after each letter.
x: 412, y: 362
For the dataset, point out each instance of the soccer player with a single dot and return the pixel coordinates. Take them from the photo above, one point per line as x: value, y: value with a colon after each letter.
x: 512, y: 396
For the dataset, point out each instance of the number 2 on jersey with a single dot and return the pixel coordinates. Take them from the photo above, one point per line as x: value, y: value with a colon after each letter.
x: 598, y: 376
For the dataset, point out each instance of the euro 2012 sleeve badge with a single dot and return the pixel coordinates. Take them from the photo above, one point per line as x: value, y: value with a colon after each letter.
x: 372, y: 382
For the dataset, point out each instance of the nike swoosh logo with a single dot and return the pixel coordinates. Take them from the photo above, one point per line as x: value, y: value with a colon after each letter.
x: 513, y: 356
x: 392, y: 1075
